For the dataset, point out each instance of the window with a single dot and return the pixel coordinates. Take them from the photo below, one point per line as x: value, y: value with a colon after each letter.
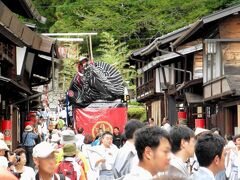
x: 213, y: 62
x: 198, y: 65
x: 231, y: 58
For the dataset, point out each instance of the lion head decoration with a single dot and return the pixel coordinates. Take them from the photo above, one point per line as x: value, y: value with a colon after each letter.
x: 95, y: 81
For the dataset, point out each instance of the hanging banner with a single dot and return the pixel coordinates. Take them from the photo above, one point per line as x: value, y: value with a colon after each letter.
x: 101, y: 117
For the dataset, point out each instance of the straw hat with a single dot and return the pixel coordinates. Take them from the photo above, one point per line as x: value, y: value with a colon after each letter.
x: 28, y: 128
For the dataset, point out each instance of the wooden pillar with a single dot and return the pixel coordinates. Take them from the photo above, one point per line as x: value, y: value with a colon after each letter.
x: 238, y: 121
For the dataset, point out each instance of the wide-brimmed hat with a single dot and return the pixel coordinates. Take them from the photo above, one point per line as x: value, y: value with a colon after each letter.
x: 68, y: 137
x: 28, y: 128
x: 69, y: 150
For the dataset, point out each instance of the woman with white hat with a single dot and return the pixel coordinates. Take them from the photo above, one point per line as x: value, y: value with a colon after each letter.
x: 3, y: 159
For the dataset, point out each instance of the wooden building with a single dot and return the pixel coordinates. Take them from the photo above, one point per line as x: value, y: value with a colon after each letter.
x: 206, y: 74
x: 26, y: 61
x: 150, y: 82
x: 220, y: 36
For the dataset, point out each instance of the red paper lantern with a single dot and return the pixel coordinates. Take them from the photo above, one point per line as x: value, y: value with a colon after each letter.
x: 7, y: 129
x: 200, y: 123
x: 31, y: 118
x: 182, y: 118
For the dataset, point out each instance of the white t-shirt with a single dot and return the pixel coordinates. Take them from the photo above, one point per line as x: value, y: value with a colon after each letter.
x: 167, y: 127
x: 63, y: 114
x: 80, y: 139
x: 3, y: 162
x: 28, y: 173
x: 138, y: 173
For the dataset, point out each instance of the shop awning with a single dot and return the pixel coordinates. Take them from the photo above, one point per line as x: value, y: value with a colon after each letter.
x: 14, y: 85
x: 193, y: 98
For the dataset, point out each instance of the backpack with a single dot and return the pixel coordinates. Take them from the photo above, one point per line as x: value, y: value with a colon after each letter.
x: 66, y: 168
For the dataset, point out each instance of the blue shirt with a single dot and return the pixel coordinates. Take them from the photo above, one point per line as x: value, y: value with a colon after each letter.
x: 30, y: 139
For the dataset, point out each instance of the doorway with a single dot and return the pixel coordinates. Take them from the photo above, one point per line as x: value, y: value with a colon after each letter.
x: 231, y: 120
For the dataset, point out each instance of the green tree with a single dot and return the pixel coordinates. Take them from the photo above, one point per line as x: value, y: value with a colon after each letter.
x: 132, y: 21
x: 68, y: 67
x: 67, y: 72
x: 116, y: 53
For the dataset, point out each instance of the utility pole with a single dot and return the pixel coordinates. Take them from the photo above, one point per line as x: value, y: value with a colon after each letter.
x: 90, y: 48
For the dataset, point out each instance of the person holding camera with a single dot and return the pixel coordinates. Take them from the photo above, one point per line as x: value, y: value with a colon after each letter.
x: 20, y: 170
x: 29, y: 138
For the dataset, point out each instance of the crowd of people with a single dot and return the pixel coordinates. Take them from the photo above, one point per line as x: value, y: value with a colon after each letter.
x: 143, y: 151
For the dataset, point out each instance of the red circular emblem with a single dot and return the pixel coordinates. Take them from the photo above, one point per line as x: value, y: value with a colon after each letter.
x: 70, y: 93
x: 104, y: 125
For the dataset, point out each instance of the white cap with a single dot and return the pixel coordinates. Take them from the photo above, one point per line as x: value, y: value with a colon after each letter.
x: 3, y: 145
x: 200, y: 130
x: 43, y: 150
x: 55, y: 138
x: 82, y: 58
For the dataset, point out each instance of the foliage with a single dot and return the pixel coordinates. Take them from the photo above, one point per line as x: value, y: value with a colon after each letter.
x: 138, y: 112
x: 67, y: 72
x: 130, y: 21
x: 135, y: 103
x: 133, y: 22
x: 47, y: 8
x: 116, y: 54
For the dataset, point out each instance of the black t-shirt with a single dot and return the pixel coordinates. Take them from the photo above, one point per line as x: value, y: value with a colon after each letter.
x: 117, y: 140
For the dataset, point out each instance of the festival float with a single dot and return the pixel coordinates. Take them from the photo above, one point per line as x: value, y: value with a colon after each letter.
x: 96, y: 95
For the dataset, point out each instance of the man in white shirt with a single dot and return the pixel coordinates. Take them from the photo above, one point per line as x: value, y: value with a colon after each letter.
x: 45, y: 161
x: 127, y: 155
x: 166, y: 125
x: 44, y: 128
x: 153, y: 149
x: 103, y: 157
x: 183, y: 147
x: 211, y: 156
x: 80, y: 138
